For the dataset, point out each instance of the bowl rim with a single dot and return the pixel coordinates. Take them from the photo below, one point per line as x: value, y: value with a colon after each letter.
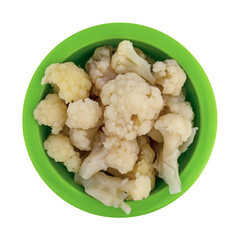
x: 201, y: 84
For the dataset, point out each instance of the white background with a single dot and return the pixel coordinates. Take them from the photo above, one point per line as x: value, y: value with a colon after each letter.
x: 209, y: 30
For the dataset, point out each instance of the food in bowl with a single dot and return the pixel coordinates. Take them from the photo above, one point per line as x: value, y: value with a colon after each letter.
x: 118, y: 125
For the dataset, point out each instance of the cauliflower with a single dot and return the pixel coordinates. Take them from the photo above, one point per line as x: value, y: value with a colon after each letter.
x: 52, y: 111
x: 144, y: 165
x: 131, y: 106
x: 184, y: 147
x: 83, y: 114
x: 60, y: 149
x: 177, y: 104
x: 170, y: 76
x: 108, y: 190
x: 127, y: 60
x: 175, y: 130
x: 112, y: 191
x: 138, y: 188
x: 99, y: 69
x: 110, y: 152
x: 83, y: 139
x: 72, y: 82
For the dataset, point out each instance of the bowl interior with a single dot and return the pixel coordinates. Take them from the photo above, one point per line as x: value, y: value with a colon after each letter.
x: 80, y: 57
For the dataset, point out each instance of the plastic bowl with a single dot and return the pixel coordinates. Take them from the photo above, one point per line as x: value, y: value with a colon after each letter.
x: 78, y: 48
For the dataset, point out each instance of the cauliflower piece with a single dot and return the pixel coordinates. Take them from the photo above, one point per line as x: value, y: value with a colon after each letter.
x: 177, y: 104
x: 83, y: 114
x: 170, y: 76
x: 184, y: 147
x: 60, y: 149
x: 108, y: 190
x: 112, y: 191
x: 127, y: 60
x: 155, y: 135
x: 83, y: 139
x: 144, y: 165
x: 99, y: 68
x: 52, y: 111
x: 141, y: 54
x: 175, y: 130
x: 138, y: 188
x: 110, y: 152
x: 131, y: 106
x: 71, y: 82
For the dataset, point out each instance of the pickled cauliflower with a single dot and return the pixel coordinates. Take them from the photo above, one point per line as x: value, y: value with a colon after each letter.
x: 52, y: 111
x: 71, y: 82
x: 131, y: 106
x: 119, y: 124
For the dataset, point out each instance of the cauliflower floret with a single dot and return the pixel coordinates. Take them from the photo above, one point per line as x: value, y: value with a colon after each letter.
x: 99, y: 69
x: 71, y: 81
x: 112, y: 191
x: 144, y: 165
x: 83, y: 139
x: 60, y: 149
x: 131, y: 106
x: 52, y: 111
x: 110, y: 152
x: 170, y: 76
x: 83, y: 114
x: 184, y: 147
x: 175, y: 130
x: 127, y: 60
x: 138, y: 188
x: 177, y: 104
x: 108, y: 190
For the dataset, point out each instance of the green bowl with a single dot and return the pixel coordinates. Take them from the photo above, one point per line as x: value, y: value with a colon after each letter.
x: 78, y: 48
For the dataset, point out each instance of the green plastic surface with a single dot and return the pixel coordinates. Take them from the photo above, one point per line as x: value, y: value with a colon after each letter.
x: 78, y: 48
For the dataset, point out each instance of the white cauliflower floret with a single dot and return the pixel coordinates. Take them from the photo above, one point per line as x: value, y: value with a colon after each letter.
x: 83, y: 139
x: 184, y: 147
x: 144, y: 165
x: 177, y: 104
x: 175, y: 130
x: 60, y: 149
x: 108, y: 190
x: 71, y: 82
x: 138, y: 188
x: 170, y: 76
x: 131, y: 106
x: 99, y: 68
x: 127, y: 60
x: 110, y: 152
x: 52, y: 111
x: 112, y: 191
x: 83, y: 114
